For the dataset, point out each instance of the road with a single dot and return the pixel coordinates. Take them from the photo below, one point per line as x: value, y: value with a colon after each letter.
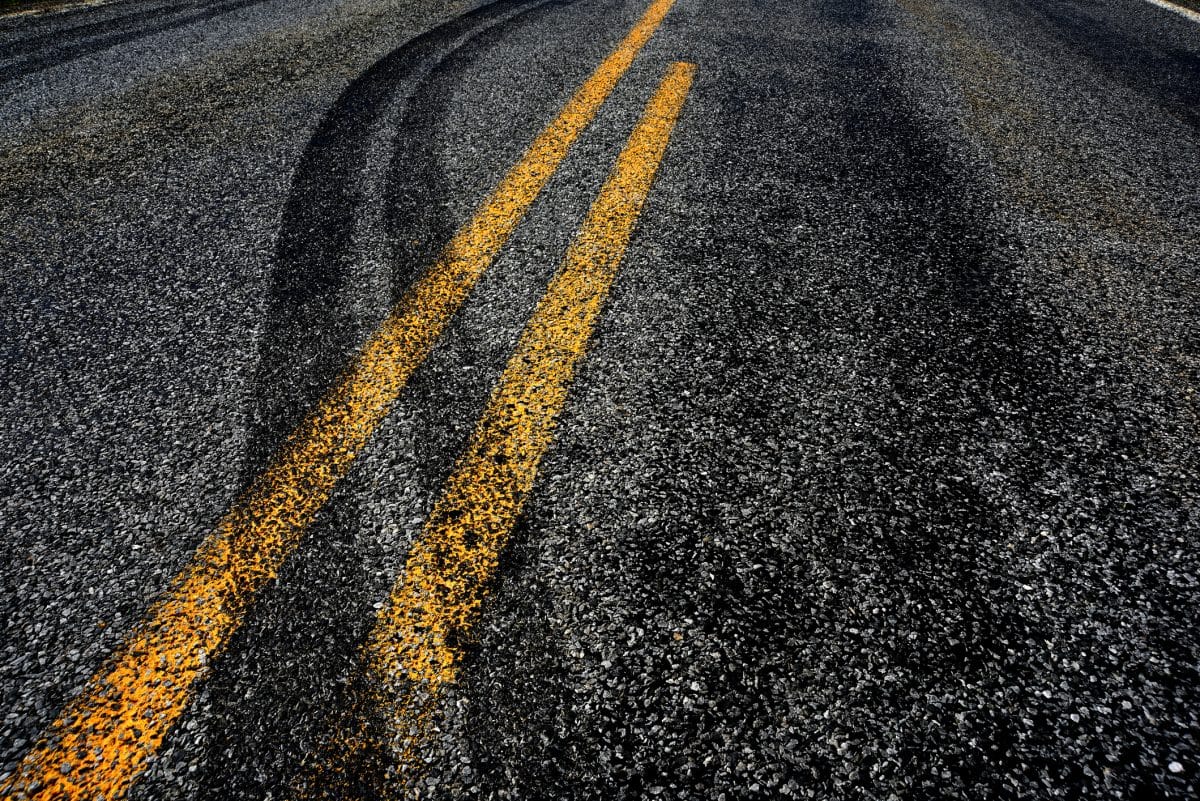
x: 600, y: 399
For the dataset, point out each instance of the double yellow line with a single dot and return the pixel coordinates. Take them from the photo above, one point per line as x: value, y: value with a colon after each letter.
x: 101, y: 742
x: 415, y: 648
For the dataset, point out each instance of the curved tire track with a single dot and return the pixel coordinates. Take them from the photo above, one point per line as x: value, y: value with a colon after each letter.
x: 314, y: 619
x: 307, y: 337
x: 71, y: 52
x: 32, y: 42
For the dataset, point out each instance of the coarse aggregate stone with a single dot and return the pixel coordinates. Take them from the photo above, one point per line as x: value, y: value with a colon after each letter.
x: 879, y: 480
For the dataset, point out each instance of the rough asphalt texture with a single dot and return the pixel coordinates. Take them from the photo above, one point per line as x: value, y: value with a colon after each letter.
x: 880, y: 479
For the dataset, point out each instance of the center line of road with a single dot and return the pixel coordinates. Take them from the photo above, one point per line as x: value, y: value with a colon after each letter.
x: 101, y: 741
x: 415, y: 646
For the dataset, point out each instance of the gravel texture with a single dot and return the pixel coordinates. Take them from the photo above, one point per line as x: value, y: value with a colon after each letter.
x: 879, y: 481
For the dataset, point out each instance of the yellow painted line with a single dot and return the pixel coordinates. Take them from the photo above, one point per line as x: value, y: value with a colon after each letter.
x: 100, y: 743
x: 416, y: 643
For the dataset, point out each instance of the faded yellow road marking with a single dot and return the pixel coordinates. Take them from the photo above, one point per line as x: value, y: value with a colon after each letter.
x: 100, y: 743
x: 415, y: 646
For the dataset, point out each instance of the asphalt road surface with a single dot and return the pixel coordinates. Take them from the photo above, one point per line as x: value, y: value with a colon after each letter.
x: 600, y: 399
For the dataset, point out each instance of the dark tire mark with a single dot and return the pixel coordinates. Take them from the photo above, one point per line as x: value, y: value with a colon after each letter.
x: 414, y: 188
x: 1168, y: 75
x: 32, y: 43
x: 292, y: 674
x: 308, y: 337
x: 972, y: 376
x: 978, y: 379
x: 64, y: 55
x: 959, y: 355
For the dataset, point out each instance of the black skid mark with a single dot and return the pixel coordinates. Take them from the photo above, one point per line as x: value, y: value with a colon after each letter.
x: 308, y: 336
x: 61, y: 55
x: 291, y: 675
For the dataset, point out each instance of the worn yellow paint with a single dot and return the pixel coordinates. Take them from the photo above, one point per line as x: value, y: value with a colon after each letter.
x: 415, y: 645
x: 101, y: 742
